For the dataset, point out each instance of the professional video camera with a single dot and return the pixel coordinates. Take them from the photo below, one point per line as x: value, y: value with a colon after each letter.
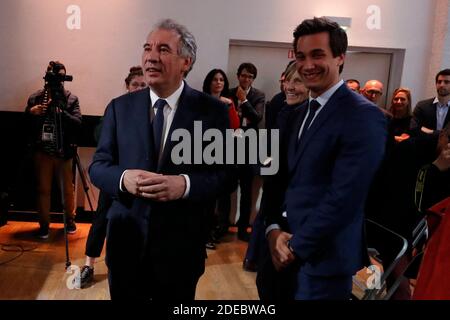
x: 53, y: 76
x: 54, y: 88
x: 55, y: 98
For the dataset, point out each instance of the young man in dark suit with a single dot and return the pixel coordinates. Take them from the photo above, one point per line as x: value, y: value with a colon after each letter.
x: 157, y: 232
x: 431, y: 115
x: 250, y: 105
x: 314, y: 205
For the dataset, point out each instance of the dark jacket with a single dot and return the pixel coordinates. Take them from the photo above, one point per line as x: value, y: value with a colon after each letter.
x: 70, y: 122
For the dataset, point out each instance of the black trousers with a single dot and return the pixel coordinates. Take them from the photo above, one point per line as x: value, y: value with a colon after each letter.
x: 245, y: 176
x: 97, y: 232
x: 125, y: 254
x: 273, y: 285
x: 136, y: 273
x: 223, y: 213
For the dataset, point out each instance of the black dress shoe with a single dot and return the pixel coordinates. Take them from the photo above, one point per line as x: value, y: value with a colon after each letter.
x: 42, y: 233
x: 71, y: 226
x: 249, y: 266
x: 87, y: 276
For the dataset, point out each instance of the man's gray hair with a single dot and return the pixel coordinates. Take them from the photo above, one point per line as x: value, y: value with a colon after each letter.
x: 187, y: 46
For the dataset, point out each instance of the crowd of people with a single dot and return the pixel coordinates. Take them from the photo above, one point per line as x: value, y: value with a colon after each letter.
x: 342, y: 158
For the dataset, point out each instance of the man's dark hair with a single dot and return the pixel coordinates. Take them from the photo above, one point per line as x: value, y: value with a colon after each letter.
x: 445, y: 72
x: 57, y: 63
x: 353, y: 80
x: 250, y: 67
x: 338, y: 37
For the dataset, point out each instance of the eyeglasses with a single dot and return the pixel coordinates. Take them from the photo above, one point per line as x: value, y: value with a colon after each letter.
x: 374, y: 92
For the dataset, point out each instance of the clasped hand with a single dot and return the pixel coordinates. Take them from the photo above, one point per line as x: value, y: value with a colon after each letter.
x: 241, y: 94
x: 279, y: 250
x: 154, y: 186
x: 38, y: 109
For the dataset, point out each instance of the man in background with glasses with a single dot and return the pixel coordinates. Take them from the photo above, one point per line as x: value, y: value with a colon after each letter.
x: 373, y: 90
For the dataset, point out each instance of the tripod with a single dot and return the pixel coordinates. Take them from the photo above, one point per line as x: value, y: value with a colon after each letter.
x: 82, y: 173
x: 60, y: 103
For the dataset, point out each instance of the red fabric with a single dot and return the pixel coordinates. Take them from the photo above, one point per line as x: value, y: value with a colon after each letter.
x: 433, y: 282
x: 234, y: 118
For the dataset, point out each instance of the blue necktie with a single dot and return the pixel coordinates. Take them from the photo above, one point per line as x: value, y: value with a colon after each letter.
x: 158, y: 124
x: 313, y: 106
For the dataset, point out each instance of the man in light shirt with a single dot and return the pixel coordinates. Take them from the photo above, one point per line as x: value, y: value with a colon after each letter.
x: 250, y: 105
x: 431, y: 115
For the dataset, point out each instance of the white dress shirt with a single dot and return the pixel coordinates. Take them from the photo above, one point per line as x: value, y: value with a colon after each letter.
x: 169, y: 112
x: 441, y: 113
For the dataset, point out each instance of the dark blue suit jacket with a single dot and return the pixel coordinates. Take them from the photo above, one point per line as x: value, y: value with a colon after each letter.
x: 175, y: 230
x: 323, y: 182
x: 425, y: 115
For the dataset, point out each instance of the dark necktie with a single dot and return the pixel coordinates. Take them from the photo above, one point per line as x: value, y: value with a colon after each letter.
x: 313, y: 106
x: 158, y: 124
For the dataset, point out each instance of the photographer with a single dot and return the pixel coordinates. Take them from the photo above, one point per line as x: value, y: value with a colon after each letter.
x: 55, y: 119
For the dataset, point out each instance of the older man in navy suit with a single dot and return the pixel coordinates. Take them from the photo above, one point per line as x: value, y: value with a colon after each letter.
x: 335, y: 142
x: 156, y: 230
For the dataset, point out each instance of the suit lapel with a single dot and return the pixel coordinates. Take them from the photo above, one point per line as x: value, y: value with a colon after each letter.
x: 433, y: 115
x: 327, y: 111
x: 250, y: 95
x: 184, y: 117
x: 447, y: 117
x: 297, y: 118
x: 141, y: 102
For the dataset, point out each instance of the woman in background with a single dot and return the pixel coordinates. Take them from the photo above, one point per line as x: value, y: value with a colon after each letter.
x: 401, y: 114
x: 296, y: 93
x: 216, y: 84
x: 271, y: 284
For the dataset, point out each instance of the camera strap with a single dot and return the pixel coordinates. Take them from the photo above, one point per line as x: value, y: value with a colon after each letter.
x: 420, y: 185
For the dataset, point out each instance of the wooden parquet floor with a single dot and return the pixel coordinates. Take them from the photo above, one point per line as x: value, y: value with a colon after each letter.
x: 32, y: 269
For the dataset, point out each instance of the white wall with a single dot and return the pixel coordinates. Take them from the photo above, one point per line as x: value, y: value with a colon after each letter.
x: 32, y: 32
x: 440, y: 45
x: 446, y: 52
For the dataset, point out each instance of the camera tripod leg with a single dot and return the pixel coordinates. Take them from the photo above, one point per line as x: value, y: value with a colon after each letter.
x: 66, y: 239
x: 83, y: 179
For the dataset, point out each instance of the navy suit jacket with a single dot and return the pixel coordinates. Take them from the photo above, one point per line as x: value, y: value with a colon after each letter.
x: 323, y: 182
x: 253, y: 109
x: 175, y: 230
